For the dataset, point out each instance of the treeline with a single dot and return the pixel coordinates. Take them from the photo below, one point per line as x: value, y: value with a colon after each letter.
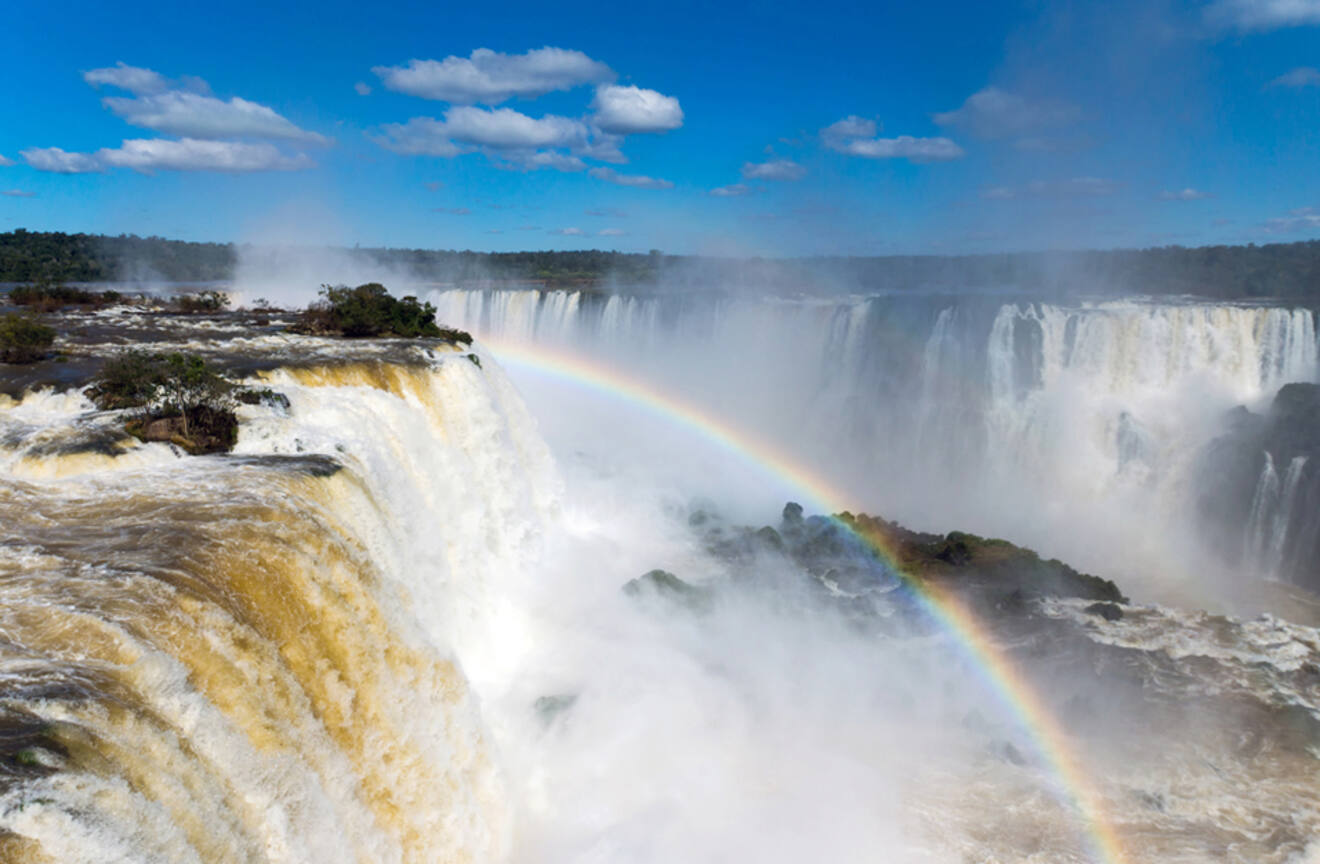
x: 1284, y: 270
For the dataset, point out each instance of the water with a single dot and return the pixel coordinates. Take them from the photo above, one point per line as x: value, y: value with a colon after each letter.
x: 337, y: 643
x: 1020, y: 419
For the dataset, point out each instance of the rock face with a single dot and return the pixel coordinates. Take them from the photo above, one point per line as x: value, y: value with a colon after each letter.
x: 852, y: 560
x: 1258, y: 492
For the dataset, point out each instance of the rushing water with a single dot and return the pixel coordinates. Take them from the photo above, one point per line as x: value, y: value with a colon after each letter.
x: 1073, y: 428
x: 389, y: 628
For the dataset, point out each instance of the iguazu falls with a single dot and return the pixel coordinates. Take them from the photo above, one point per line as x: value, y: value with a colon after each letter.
x: 894, y: 439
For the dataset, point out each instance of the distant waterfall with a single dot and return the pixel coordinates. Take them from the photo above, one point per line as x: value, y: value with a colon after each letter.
x: 946, y: 406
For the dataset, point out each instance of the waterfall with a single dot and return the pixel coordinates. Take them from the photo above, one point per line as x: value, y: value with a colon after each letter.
x: 947, y: 407
x: 257, y: 656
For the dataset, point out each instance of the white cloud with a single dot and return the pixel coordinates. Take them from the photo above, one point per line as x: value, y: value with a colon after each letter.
x: 904, y: 147
x: 611, y: 232
x: 58, y: 161
x: 134, y: 79
x: 1188, y: 194
x: 568, y: 232
x: 732, y: 191
x: 158, y: 154
x: 362, y: 88
x: 192, y: 115
x: 631, y: 110
x: 1302, y: 76
x: 491, y: 77
x: 1301, y: 219
x: 853, y: 135
x: 1248, y: 15
x: 17, y: 193
x: 4, y: 163
x: 637, y: 181
x: 501, y: 133
x: 191, y: 154
x: 774, y: 169
x: 996, y: 113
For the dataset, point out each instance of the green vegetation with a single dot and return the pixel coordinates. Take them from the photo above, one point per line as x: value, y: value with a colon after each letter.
x: 46, y: 297
x: 201, y: 302
x: 370, y: 310
x: 1284, y: 270
x: 23, y: 339
x: 181, y: 397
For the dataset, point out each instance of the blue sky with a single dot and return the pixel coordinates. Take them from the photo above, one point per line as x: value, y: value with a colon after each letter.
x: 756, y: 129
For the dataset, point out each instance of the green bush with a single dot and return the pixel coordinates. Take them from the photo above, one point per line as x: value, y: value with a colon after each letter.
x: 23, y: 340
x: 205, y: 301
x: 370, y: 310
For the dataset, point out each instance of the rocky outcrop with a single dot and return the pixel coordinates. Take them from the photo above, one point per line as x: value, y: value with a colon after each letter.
x: 1258, y: 488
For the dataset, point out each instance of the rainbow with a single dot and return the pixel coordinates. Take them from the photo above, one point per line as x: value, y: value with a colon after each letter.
x: 972, y: 637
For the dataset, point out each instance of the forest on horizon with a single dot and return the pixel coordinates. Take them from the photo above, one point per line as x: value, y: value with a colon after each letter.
x: 1282, y: 270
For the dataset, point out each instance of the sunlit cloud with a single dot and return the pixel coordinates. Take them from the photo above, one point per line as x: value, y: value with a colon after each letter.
x: 58, y: 161
x: 188, y: 154
x: 633, y: 110
x: 568, y: 232
x: 4, y: 163
x: 733, y: 191
x: 362, y: 88
x: 501, y: 133
x: 854, y: 136
x: 17, y: 193
x: 491, y: 77
x: 611, y: 232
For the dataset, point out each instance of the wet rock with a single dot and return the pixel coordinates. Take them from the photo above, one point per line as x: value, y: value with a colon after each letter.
x: 1107, y: 611
x: 667, y: 586
x: 548, y: 708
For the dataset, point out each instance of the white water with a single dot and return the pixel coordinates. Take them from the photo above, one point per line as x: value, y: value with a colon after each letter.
x: 248, y: 662
x: 1073, y: 429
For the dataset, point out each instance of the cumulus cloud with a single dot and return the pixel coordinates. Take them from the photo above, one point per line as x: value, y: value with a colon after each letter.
x: 17, y: 193
x: 1188, y: 194
x: 191, y: 154
x: 491, y: 77
x: 853, y: 136
x: 501, y: 133
x: 4, y: 163
x: 1302, y: 76
x: 632, y: 110
x: 1247, y: 15
x: 193, y: 115
x: 156, y: 154
x: 773, y: 169
x: 1301, y: 219
x: 732, y: 191
x: 58, y: 161
x: 611, y: 232
x: 568, y: 232
x: 996, y: 113
x: 637, y: 181
x: 134, y: 79
x: 362, y: 88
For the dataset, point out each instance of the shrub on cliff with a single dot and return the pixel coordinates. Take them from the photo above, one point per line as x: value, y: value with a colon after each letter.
x: 205, y: 301
x: 23, y: 340
x: 46, y: 297
x: 182, y: 398
x: 370, y: 310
